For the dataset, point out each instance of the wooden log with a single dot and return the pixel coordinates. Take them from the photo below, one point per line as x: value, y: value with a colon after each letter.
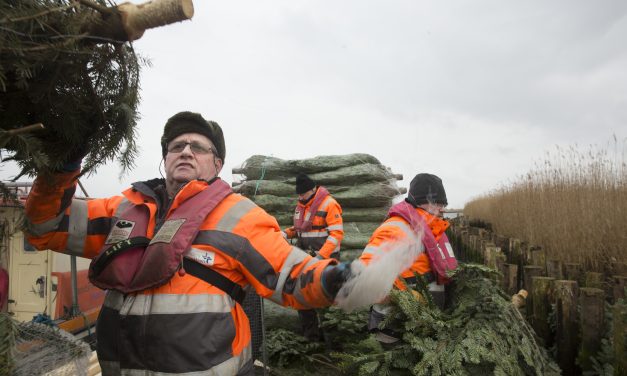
x: 503, y: 243
x: 516, y: 258
x: 554, y: 269
x: 542, y: 298
x: 592, y: 325
x: 619, y: 284
x: 566, y: 333
x: 619, y: 315
x: 573, y: 272
x: 530, y: 272
x: 593, y: 280
x: 127, y: 22
x: 538, y: 258
x: 138, y: 18
x: 489, y: 255
x: 500, y: 266
x: 512, y: 278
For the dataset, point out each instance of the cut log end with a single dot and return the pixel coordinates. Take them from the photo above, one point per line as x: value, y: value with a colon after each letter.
x: 138, y: 18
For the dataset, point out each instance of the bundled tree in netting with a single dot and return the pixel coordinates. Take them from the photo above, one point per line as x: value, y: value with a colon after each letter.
x: 362, y: 186
x: 481, y: 333
x: 67, y: 64
x: 30, y: 348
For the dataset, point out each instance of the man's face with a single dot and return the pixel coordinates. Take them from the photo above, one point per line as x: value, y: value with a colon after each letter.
x: 434, y: 209
x: 196, y: 160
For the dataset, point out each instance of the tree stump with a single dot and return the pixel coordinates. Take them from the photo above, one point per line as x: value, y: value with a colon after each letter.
x: 542, y: 297
x: 619, y: 284
x: 554, y: 269
x: 567, y: 332
x: 592, y: 324
x: 594, y: 280
x: 530, y: 272
x: 620, y: 339
x: 538, y: 257
x: 573, y: 272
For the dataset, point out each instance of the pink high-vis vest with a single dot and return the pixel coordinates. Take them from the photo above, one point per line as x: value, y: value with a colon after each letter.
x: 302, y: 224
x: 440, y: 252
x: 130, y: 262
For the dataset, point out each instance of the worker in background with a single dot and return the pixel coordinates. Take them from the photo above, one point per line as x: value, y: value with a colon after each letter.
x: 175, y: 255
x: 319, y: 230
x: 418, y: 221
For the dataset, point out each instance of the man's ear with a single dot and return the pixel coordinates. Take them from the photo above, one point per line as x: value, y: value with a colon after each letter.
x: 218, y: 165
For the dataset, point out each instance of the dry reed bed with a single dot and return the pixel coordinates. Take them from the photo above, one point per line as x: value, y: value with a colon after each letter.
x: 574, y: 205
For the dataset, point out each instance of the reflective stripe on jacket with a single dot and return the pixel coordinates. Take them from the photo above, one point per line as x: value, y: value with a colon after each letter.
x: 185, y: 325
x: 397, y: 229
x: 327, y: 229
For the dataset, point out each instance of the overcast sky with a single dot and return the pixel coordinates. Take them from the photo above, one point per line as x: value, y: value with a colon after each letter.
x: 472, y: 91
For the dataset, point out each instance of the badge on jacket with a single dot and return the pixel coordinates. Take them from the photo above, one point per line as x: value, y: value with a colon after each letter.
x: 167, y: 231
x: 121, y: 230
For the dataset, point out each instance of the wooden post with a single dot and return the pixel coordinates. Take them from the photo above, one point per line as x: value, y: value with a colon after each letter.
x: 500, y: 266
x: 554, y: 269
x: 619, y: 283
x: 594, y: 280
x: 542, y: 297
x: 489, y: 255
x: 473, y: 243
x: 530, y: 272
x: 592, y: 324
x: 512, y: 278
x: 573, y: 272
x: 538, y: 257
x: 514, y: 254
x: 567, y: 333
x: 619, y: 315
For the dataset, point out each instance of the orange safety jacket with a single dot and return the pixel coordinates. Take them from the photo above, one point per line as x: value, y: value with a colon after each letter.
x: 327, y: 228
x: 396, y: 229
x: 186, y: 325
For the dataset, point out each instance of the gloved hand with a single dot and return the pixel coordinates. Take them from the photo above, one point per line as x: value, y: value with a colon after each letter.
x: 75, y: 158
x: 333, y: 277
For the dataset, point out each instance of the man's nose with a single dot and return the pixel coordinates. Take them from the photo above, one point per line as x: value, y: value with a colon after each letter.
x: 187, y: 150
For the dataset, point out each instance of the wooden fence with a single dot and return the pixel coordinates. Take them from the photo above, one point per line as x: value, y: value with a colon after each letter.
x: 565, y: 304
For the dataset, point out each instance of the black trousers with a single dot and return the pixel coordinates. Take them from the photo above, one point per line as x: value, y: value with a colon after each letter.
x: 310, y: 325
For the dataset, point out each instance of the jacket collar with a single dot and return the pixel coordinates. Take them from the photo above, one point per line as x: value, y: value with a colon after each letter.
x: 436, y: 224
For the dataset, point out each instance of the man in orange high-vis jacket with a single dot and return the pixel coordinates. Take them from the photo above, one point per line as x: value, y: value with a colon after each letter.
x: 174, y: 255
x: 319, y: 229
x: 427, y: 197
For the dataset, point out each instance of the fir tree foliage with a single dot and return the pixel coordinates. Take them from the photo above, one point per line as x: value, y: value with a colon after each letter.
x: 480, y: 333
x: 82, y: 88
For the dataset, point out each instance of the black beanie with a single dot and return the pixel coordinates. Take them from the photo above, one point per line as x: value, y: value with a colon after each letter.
x: 425, y: 189
x: 192, y: 122
x: 304, y: 183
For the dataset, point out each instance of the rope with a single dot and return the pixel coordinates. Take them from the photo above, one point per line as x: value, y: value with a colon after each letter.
x: 263, y: 174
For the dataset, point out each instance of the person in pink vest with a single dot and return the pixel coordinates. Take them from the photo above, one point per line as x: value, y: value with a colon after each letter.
x: 418, y: 220
x: 319, y: 230
x: 175, y: 255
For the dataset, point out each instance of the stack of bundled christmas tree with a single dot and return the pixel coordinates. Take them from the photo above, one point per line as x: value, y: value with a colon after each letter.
x: 359, y: 182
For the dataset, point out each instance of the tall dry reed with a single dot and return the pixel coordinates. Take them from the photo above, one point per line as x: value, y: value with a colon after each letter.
x: 573, y: 204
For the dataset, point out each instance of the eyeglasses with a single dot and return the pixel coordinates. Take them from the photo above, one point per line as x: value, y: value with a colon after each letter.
x: 195, y: 147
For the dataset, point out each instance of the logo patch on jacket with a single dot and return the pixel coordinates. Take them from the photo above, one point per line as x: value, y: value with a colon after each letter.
x: 167, y: 231
x: 203, y: 257
x: 121, y: 231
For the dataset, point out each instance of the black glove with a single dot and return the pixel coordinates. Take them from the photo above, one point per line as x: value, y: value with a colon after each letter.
x: 333, y: 277
x: 74, y: 159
